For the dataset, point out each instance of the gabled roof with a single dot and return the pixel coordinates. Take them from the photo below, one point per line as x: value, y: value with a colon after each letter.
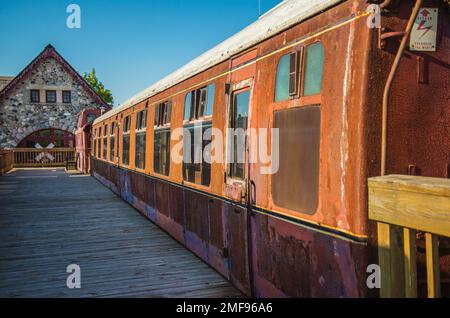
x: 50, y: 52
x: 280, y: 18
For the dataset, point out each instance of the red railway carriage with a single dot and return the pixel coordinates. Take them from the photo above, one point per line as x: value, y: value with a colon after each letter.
x: 312, y: 83
x: 83, y: 138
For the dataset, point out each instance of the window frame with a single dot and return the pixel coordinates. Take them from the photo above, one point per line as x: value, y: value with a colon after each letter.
x: 126, y: 133
x: 164, y: 118
x: 112, y: 142
x: 230, y: 178
x: 141, y: 129
x: 304, y: 67
x: 200, y: 101
x: 301, y: 69
x: 105, y: 143
x: 196, y: 113
x: 205, y: 124
x: 94, y: 137
x: 162, y: 125
x: 47, y: 91
x: 63, y: 97
x: 293, y: 90
x: 38, y: 101
x: 99, y: 152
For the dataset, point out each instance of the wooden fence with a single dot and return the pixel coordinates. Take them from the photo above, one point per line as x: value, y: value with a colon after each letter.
x: 402, y: 205
x: 56, y: 157
x: 6, y: 160
x: 30, y: 157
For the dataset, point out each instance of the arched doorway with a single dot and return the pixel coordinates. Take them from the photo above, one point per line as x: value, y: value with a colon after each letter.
x: 59, y: 138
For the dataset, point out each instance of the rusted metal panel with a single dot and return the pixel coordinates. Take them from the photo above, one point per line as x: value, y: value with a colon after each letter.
x: 197, y: 223
x: 162, y: 198
x: 218, y: 245
x: 176, y: 205
x: 138, y: 185
x: 293, y: 262
x: 419, y: 113
x: 238, y: 246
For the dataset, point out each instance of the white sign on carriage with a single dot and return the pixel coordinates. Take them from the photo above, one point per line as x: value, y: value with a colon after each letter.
x: 423, y: 33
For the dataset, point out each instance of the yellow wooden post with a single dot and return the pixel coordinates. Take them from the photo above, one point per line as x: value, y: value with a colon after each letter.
x: 391, y: 261
x: 433, y: 272
x: 384, y: 259
x: 409, y: 237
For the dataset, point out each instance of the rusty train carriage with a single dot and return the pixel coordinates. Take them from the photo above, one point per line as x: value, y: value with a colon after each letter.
x: 258, y: 233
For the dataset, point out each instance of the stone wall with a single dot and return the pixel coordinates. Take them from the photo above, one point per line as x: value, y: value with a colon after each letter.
x: 4, y: 80
x: 19, y: 117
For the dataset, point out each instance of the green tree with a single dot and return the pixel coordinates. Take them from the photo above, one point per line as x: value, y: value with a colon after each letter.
x: 98, y: 86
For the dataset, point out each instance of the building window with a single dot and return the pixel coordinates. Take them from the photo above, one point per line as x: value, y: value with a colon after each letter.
x: 313, y: 69
x: 126, y: 141
x: 299, y: 133
x: 112, y: 142
x: 238, y: 124
x: 50, y: 96
x: 161, y: 145
x: 105, y: 141
x: 35, y: 96
x: 67, y: 97
x: 91, y: 118
x: 141, y: 133
x: 199, y: 103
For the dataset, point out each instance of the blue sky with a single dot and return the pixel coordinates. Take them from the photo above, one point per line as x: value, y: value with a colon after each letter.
x: 131, y: 43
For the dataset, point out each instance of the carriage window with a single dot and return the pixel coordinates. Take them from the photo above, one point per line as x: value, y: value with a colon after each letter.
x: 195, y: 168
x: 161, y: 157
x: 287, y: 84
x: 313, y: 69
x: 99, y: 144
x: 238, y: 124
x: 105, y: 141
x: 95, y: 142
x: 161, y: 145
x: 199, y: 103
x: 112, y: 141
x: 126, y: 141
x: 141, y: 133
x: 299, y: 131
x: 163, y: 113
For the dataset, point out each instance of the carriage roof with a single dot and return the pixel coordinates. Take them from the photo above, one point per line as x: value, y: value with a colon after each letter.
x: 281, y: 17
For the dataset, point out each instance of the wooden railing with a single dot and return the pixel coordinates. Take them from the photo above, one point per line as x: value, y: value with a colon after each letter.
x: 403, y: 205
x: 30, y: 157
x: 6, y: 160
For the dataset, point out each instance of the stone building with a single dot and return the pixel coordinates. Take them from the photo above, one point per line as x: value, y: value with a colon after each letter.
x: 4, y: 80
x: 41, y: 105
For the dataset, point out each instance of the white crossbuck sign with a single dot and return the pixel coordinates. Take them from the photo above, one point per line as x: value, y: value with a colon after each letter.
x: 42, y: 155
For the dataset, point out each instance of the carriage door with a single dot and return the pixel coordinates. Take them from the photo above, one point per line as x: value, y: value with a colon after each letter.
x: 237, y: 184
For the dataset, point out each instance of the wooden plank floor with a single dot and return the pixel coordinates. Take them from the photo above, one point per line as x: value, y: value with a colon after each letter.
x: 49, y: 220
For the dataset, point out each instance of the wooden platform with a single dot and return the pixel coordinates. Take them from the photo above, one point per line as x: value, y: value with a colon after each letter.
x: 49, y: 220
